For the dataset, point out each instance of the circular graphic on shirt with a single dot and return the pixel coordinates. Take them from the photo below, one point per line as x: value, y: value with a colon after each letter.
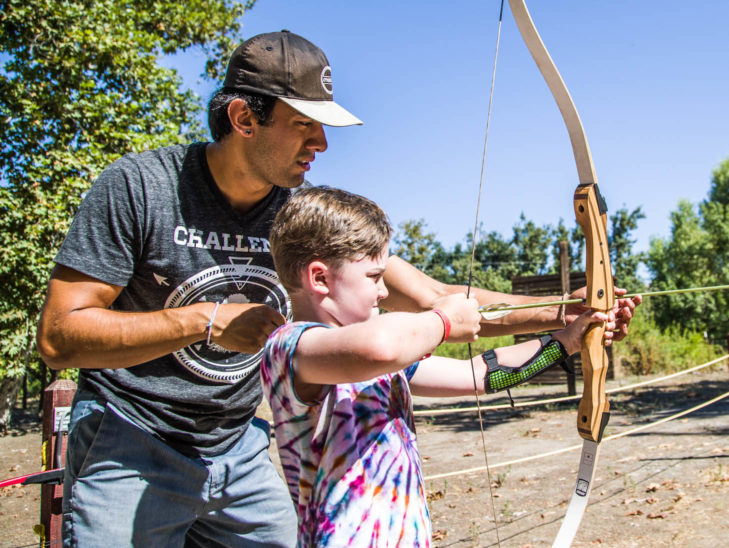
x: 238, y: 282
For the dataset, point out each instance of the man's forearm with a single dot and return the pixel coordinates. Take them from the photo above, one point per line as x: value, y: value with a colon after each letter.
x: 413, y: 291
x: 532, y: 320
x: 102, y: 338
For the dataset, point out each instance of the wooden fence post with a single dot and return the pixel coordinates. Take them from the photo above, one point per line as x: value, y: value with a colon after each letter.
x: 56, y: 414
x: 564, y: 275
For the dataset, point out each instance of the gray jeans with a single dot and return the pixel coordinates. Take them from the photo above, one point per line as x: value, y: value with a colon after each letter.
x: 124, y: 487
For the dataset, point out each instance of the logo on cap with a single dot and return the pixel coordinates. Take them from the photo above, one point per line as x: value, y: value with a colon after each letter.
x: 326, y: 79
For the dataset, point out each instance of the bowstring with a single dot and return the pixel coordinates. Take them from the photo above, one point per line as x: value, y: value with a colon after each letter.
x: 470, y: 270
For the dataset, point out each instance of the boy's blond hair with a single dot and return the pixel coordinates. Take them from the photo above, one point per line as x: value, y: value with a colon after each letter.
x: 326, y: 224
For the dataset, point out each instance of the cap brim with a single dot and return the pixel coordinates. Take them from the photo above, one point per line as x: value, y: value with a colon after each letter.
x: 328, y: 113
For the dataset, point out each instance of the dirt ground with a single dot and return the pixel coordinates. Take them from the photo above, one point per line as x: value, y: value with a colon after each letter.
x: 664, y: 486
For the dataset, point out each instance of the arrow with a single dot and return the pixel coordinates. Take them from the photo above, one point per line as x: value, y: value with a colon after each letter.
x: 499, y: 310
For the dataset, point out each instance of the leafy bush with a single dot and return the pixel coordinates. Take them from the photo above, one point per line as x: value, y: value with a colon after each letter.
x: 648, y: 349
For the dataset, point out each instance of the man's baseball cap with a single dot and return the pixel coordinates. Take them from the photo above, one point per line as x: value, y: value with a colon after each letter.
x: 287, y: 66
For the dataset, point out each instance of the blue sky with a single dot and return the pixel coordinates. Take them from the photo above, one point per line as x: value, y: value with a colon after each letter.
x: 650, y: 80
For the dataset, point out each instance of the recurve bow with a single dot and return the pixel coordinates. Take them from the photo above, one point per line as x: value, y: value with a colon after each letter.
x: 594, y: 409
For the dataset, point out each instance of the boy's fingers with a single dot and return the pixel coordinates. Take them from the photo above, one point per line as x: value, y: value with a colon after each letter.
x: 594, y: 316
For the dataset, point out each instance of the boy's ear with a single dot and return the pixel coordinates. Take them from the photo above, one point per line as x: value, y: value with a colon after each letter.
x: 317, y: 277
x: 242, y: 119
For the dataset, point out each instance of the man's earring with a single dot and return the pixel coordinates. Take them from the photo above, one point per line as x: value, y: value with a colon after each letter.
x: 248, y: 132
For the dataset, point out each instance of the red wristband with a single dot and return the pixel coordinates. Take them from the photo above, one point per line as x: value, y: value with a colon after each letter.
x: 446, y: 324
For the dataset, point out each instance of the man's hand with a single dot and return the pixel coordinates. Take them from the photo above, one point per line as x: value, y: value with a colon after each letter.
x: 622, y: 312
x: 244, y: 327
x: 463, y: 314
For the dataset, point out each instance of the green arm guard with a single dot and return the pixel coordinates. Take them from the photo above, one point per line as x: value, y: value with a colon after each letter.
x: 499, y: 377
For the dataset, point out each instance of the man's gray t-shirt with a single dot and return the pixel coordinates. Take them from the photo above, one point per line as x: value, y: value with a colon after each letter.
x: 157, y: 225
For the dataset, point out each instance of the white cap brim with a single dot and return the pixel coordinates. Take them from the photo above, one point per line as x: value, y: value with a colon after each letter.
x: 328, y: 113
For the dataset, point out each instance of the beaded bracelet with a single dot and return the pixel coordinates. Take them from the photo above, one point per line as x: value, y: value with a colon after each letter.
x: 209, y: 325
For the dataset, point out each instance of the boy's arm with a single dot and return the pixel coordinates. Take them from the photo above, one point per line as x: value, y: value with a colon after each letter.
x: 439, y: 377
x: 383, y: 344
x: 444, y: 377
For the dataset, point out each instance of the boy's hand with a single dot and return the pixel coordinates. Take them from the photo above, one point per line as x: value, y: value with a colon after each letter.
x: 571, y: 336
x: 463, y: 314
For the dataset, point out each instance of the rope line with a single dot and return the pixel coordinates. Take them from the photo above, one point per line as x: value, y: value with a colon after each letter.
x: 574, y: 447
x: 529, y: 403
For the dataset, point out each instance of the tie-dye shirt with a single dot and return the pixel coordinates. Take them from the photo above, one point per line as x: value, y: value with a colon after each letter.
x: 350, y: 458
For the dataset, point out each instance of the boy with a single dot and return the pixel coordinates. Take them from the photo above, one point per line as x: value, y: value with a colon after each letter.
x: 339, y: 379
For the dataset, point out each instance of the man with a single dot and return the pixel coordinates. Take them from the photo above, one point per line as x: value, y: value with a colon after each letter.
x: 163, y: 294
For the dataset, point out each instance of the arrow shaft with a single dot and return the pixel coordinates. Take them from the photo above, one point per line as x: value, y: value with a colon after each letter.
x: 497, y: 308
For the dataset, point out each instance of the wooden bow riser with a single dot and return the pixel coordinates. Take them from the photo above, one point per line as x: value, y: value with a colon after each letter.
x: 591, y: 214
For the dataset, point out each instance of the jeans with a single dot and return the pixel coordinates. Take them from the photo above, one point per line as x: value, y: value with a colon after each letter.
x: 124, y: 487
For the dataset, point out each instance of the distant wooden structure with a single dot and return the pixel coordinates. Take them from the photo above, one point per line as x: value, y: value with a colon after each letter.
x: 556, y: 284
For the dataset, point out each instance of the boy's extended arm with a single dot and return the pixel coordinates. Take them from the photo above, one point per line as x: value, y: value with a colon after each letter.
x: 384, y: 344
x: 444, y: 377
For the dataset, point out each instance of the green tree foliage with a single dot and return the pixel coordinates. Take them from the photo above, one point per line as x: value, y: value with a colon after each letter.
x: 532, y: 245
x: 532, y: 250
x: 459, y: 268
x: 496, y: 254
x: 495, y: 261
x: 415, y: 245
x: 696, y: 254
x: 80, y: 86
x: 620, y: 242
x: 561, y: 234
x: 421, y: 249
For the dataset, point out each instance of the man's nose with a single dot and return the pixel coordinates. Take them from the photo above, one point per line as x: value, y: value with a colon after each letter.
x: 318, y: 140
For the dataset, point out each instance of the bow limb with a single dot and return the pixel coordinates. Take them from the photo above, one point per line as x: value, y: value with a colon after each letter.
x: 578, y: 138
x: 591, y: 213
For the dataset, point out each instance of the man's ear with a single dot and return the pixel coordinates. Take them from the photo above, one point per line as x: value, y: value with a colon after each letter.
x: 317, y: 277
x: 242, y: 119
